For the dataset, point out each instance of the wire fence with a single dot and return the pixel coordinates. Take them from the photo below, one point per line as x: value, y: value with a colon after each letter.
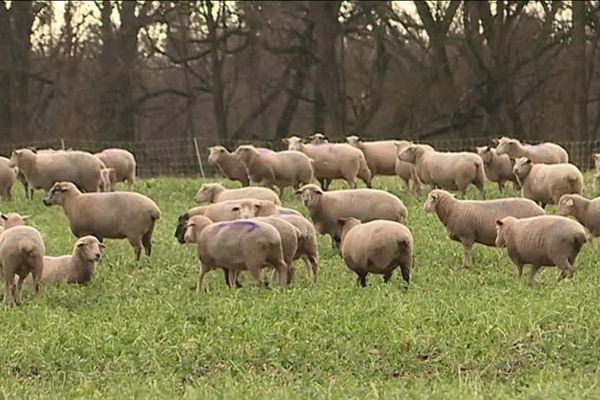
x: 189, y: 156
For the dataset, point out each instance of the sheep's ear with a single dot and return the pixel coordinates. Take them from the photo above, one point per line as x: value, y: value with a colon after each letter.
x: 4, y: 217
x: 597, y: 156
x: 487, y: 148
x: 25, y: 217
x: 529, y: 161
x: 499, y: 222
x: 102, y: 246
x: 285, y: 140
x: 80, y: 243
x: 298, y: 192
x: 318, y: 191
x: 397, y: 144
x: 495, y: 141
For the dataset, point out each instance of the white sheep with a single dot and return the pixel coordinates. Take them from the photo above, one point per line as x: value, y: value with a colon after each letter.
x: 546, y: 240
x: 236, y: 245
x: 112, y: 215
x: 232, y: 168
x: 122, y: 162
x: 587, y: 212
x: 543, y: 153
x: 376, y: 247
x: 334, y: 161
x: 381, y: 155
x: 498, y: 168
x: 216, y: 193
x: 318, y: 138
x: 450, y: 171
x: 8, y: 177
x: 75, y: 268
x: 474, y: 221
x: 546, y: 183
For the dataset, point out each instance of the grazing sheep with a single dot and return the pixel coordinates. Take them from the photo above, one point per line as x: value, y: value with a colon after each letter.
x: 228, y: 165
x: 276, y: 169
x: 325, y: 208
x: 308, y: 249
x: 76, y: 268
x: 8, y: 176
x: 43, y: 169
x: 472, y: 222
x: 216, y: 193
x: 587, y: 212
x: 123, y: 164
x: 376, y: 247
x: 405, y: 170
x: 334, y: 161
x: 109, y: 179
x: 546, y: 183
x: 543, y: 153
x: 112, y: 215
x: 597, y: 184
x: 498, y: 168
x: 318, y: 138
x: 21, y: 253
x: 236, y: 245
x: 450, y: 171
x: 546, y: 240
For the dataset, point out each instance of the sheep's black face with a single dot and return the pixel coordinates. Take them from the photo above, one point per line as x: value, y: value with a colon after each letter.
x: 181, y: 227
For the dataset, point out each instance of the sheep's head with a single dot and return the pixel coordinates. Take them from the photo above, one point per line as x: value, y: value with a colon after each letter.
x: 505, y: 145
x: 207, y: 192
x: 58, y: 192
x: 522, y: 167
x: 251, y: 208
x: 501, y: 231
x: 318, y: 138
x: 433, y: 199
x: 18, y: 155
x: 293, y: 143
x: 310, y: 195
x: 343, y: 226
x: 353, y: 141
x: 89, y: 248
x: 485, y: 152
x: 194, y: 227
x: 566, y: 205
x: 246, y: 153
x: 12, y: 219
x: 408, y: 154
x: 215, y: 153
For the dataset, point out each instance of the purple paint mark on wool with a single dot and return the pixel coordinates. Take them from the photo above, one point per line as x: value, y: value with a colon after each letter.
x: 239, y: 223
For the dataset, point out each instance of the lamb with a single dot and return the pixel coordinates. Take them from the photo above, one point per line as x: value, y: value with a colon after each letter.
x: 112, y: 215
x: 586, y: 212
x: 364, y: 204
x: 76, y: 268
x: 216, y: 193
x: 543, y: 153
x: 308, y: 249
x: 236, y: 245
x: 546, y: 240
x: 276, y: 169
x: 546, y: 183
x: 334, y: 161
x: 318, y: 138
x: 498, y: 168
x: 21, y: 253
x: 450, y: 171
x: 122, y: 162
x: 472, y: 222
x: 108, y: 179
x: 376, y: 247
x: 405, y: 170
x: 8, y: 176
x: 229, y: 166
x: 44, y: 169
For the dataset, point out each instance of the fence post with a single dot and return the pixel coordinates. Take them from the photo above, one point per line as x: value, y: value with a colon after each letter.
x: 62, y: 143
x: 199, y: 158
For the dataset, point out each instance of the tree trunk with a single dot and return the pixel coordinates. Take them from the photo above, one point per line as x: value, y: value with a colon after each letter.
x: 580, y: 70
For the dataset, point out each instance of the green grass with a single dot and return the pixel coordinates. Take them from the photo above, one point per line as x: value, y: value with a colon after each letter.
x: 139, y: 331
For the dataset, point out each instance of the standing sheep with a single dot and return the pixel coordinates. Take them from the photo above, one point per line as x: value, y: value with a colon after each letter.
x: 472, y: 222
x: 76, y: 268
x: 122, y: 162
x: 308, y: 249
x: 450, y: 171
x: 113, y: 215
x: 8, y: 177
x: 376, y: 247
x: 546, y: 183
x: 587, y: 212
x: 543, y: 153
x: 405, y: 170
x: 326, y: 208
x: 318, y: 138
x: 381, y: 155
x: 276, y: 169
x: 334, y: 161
x: 498, y: 168
x: 228, y: 165
x: 236, y: 245
x: 216, y: 193
x: 546, y: 240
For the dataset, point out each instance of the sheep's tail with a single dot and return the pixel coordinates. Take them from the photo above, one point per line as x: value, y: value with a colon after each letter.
x: 155, y: 214
x: 27, y: 247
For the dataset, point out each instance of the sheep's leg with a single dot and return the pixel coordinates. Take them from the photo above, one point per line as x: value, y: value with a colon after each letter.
x: 9, y: 286
x: 17, y: 290
x: 533, y: 273
x: 201, y: 274
x: 566, y: 270
x: 520, y: 271
x: 362, y: 278
x: 147, y: 243
x: 136, y: 243
x: 309, y: 267
x: 352, y: 182
x: 256, y: 273
x: 130, y: 182
x: 315, y: 267
x: 501, y: 186
x: 468, y: 259
x: 281, y: 190
x: 36, y: 275
x: 405, y: 270
x: 388, y: 276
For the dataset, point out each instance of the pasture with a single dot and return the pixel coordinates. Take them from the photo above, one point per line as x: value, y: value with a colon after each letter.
x: 138, y: 330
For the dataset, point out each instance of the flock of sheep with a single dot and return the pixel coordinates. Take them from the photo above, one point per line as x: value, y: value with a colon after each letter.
x: 248, y: 229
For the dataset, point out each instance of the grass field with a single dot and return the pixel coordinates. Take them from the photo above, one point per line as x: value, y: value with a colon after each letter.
x: 139, y: 330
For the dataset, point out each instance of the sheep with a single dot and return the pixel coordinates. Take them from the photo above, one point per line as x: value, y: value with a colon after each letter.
x: 546, y: 183
x: 405, y: 170
x: 44, y: 169
x: 325, y: 208
x: 276, y: 169
x: 21, y: 178
x: 229, y: 166
x: 76, y: 268
x: 12, y: 219
x: 450, y: 171
x: 381, y: 155
x: 318, y: 138
x: 216, y: 193
x: 112, y: 215
x: 376, y: 247
x: 236, y: 245
x: 546, y: 240
x: 474, y: 221
x: 334, y: 161
x: 8, y: 176
x: 122, y: 162
x: 597, y: 162
x: 22, y: 251
x: 108, y: 179
x: 498, y: 168
x: 597, y: 184
x: 543, y: 153
x: 308, y: 249
x: 586, y: 212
